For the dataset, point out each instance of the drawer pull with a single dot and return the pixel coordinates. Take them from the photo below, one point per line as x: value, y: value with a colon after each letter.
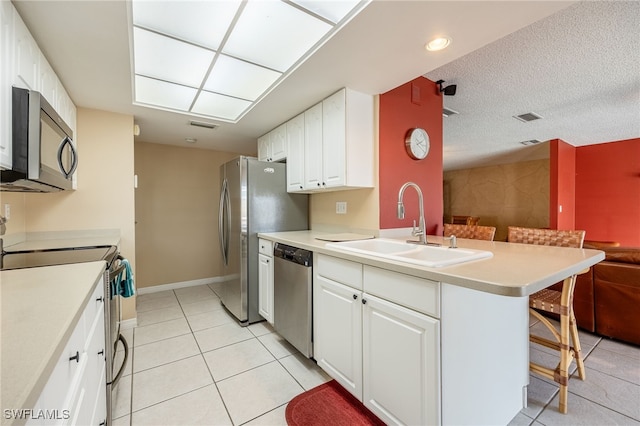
x: 76, y: 357
x: 99, y: 299
x: 355, y: 297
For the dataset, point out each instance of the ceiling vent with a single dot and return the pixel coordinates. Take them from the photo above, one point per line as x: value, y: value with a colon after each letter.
x: 202, y: 124
x: 531, y: 142
x: 446, y: 112
x: 529, y: 116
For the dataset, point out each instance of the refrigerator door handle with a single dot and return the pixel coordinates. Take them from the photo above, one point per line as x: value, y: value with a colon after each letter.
x: 228, y: 231
x: 221, y: 228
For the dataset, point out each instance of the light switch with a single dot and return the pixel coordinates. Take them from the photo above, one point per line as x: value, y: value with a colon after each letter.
x: 341, y: 207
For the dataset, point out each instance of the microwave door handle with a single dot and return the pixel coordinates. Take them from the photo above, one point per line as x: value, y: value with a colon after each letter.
x: 74, y: 157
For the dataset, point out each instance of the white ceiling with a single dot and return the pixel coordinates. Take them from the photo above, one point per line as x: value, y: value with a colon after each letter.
x: 552, y: 68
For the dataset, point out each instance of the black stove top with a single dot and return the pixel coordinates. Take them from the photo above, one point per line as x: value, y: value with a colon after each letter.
x: 32, y: 259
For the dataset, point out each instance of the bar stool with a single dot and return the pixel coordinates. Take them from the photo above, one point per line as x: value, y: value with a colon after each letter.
x: 561, y: 303
x: 475, y: 232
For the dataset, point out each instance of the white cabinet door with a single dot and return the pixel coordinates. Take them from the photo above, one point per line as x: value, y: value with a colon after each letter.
x: 313, y: 151
x: 26, y: 56
x: 278, y: 141
x: 264, y: 148
x: 6, y: 80
x: 295, y: 154
x: 265, y: 287
x: 337, y: 316
x: 334, y: 140
x: 49, y: 85
x: 401, y: 359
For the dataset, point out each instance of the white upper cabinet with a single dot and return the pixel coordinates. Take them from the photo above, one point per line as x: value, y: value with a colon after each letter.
x: 48, y: 83
x: 313, y: 150
x: 26, y: 56
x: 339, y: 143
x: 295, y: 153
x: 6, y: 76
x: 273, y: 145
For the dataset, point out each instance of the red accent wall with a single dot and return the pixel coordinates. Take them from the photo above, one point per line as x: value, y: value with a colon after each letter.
x: 562, y: 171
x: 608, y: 191
x: 414, y: 104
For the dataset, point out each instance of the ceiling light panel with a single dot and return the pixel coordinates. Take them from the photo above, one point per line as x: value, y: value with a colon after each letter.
x: 163, y: 94
x: 217, y: 58
x: 239, y: 79
x: 225, y: 107
x: 168, y: 59
x: 200, y: 22
x: 274, y: 34
x: 333, y: 11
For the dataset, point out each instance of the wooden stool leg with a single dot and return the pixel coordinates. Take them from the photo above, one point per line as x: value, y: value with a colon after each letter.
x: 576, y: 346
x: 562, y: 376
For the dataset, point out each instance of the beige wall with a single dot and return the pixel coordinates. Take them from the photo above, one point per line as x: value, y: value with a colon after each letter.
x: 104, y: 198
x: 17, y: 224
x: 176, y: 213
x: 509, y: 194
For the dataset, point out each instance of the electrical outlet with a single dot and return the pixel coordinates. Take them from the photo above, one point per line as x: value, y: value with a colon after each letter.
x: 7, y: 211
x: 341, y: 207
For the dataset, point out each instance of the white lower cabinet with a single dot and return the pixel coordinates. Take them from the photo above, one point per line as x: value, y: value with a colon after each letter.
x: 337, y: 312
x: 265, y: 279
x: 75, y: 393
x: 385, y: 354
x: 401, y: 365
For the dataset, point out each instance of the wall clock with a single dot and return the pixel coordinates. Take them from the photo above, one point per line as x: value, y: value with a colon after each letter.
x: 417, y: 143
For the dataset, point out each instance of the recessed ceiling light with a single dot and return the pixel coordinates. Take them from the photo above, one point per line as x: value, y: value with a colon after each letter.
x: 191, y: 140
x: 438, y: 43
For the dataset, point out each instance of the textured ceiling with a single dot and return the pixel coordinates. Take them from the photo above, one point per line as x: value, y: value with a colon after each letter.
x: 579, y: 69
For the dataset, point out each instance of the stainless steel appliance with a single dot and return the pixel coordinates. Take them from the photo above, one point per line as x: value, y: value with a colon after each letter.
x: 43, y: 155
x: 37, y: 258
x: 253, y: 198
x: 292, y: 296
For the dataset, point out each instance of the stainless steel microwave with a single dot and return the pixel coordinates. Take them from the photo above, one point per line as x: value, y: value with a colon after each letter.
x: 43, y: 153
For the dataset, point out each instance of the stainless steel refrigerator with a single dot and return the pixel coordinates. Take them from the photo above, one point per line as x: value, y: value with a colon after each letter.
x: 253, y: 198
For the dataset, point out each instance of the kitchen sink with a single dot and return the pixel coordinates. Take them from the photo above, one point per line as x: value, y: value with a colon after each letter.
x: 430, y: 256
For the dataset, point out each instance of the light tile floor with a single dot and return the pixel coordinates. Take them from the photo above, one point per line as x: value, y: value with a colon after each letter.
x: 192, y: 364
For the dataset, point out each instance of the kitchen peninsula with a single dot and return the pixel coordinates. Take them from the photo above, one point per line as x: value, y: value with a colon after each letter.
x: 422, y: 345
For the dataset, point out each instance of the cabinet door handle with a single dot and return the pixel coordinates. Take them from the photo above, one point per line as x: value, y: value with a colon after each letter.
x: 318, y: 183
x: 99, y: 299
x: 300, y: 186
x: 355, y: 297
x: 364, y: 301
x: 267, y: 260
x: 102, y: 423
x: 101, y: 352
x: 76, y: 357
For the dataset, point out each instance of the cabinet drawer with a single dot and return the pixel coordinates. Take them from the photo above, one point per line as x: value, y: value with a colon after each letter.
x: 340, y: 270
x: 265, y: 247
x: 419, y: 294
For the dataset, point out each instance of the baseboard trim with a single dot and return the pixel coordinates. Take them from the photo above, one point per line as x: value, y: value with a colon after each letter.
x: 183, y: 284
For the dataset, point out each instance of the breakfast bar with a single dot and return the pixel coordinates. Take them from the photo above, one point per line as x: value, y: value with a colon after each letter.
x: 430, y: 345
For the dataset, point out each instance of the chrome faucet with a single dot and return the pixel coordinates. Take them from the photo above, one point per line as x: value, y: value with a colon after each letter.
x: 421, y: 232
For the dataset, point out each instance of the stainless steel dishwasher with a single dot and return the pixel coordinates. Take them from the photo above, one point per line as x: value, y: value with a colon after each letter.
x: 292, y: 296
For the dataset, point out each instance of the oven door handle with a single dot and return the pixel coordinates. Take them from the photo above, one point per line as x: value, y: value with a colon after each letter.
x: 124, y: 362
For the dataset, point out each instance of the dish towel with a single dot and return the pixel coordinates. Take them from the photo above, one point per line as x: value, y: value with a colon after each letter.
x: 124, y: 285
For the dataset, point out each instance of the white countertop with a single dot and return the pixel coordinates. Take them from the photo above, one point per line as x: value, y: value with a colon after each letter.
x: 40, y: 308
x: 514, y: 270
x: 62, y: 239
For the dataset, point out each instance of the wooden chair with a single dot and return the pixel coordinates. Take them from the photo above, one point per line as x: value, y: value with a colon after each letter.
x: 473, y: 232
x: 561, y: 303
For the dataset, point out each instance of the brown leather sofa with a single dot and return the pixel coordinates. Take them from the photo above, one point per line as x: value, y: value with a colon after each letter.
x: 607, y: 298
